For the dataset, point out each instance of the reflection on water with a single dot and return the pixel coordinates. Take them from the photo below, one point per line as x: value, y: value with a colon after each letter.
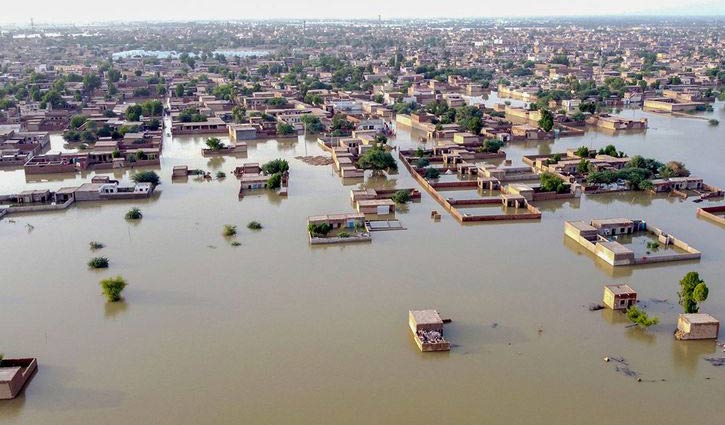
x: 272, y: 329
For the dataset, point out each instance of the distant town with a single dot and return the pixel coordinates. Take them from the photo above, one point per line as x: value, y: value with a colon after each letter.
x: 433, y: 129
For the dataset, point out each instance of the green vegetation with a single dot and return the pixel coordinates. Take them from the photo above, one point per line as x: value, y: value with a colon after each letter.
x: 146, y: 177
x: 693, y: 291
x: 312, y: 123
x: 236, y: 243
x: 583, y: 152
x: 377, y: 159
x: 653, y: 245
x: 584, y: 167
x: 191, y: 115
x: 640, y: 317
x: 611, y: 150
x: 322, y: 229
x: 221, y: 175
x: 98, y: 263
x: 214, y: 144
x: 112, y: 288
x: 134, y: 214
x: 553, y: 183
x: 275, y: 166
x: 401, y: 197
x: 343, y: 234
x: 546, y: 122
x: 491, y: 146
x: 95, y: 245
x: 229, y: 230
x: 254, y: 225
x: 284, y: 129
x: 431, y: 173
x: 674, y: 169
x: 713, y: 122
x: 422, y: 162
x: 274, y: 181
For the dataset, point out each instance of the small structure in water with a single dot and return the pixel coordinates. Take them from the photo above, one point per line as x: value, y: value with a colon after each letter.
x: 14, y: 374
x: 697, y: 326
x: 427, y: 328
x: 619, y: 297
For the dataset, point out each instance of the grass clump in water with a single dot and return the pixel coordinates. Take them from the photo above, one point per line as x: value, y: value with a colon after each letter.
x: 254, y: 225
x: 134, y: 214
x: 94, y: 245
x: 98, y: 263
x: 229, y: 230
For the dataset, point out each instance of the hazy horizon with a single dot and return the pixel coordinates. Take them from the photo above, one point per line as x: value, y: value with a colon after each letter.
x: 85, y: 11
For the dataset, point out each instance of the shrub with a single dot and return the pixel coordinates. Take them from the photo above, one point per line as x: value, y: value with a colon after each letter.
x: 254, y: 225
x: 112, y: 288
x: 134, y: 214
x: 229, y: 230
x: 713, y: 122
x: 98, y: 263
x: 221, y: 174
x: 422, y: 163
x: 236, y: 243
x: 640, y: 318
x: 431, y: 173
x: 343, y: 235
x: 95, y: 245
x: 319, y: 229
x: 146, y: 177
x: 401, y: 196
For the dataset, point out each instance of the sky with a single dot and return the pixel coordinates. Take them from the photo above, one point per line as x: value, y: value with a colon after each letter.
x: 83, y: 11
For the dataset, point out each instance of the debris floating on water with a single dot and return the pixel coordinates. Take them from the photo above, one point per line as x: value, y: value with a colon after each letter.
x: 595, y: 307
x: 716, y: 361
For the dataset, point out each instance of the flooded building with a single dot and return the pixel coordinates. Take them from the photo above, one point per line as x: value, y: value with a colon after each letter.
x: 697, y: 326
x: 427, y: 329
x: 619, y: 297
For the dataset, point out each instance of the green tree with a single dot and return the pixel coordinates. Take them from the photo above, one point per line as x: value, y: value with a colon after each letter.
x: 134, y: 214
x: 552, y: 183
x: 431, y: 173
x: 214, y: 144
x: 693, y: 291
x: 133, y: 112
x: 284, y: 129
x: 401, y: 197
x: 146, y: 177
x: 546, y: 122
x: 275, y: 166
x: 377, y: 159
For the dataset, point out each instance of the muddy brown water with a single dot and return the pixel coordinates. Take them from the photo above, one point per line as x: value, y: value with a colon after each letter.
x: 277, y: 332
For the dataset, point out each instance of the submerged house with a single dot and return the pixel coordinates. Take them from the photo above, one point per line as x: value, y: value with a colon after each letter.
x: 427, y: 329
x: 697, y: 326
x: 14, y: 374
x: 619, y: 297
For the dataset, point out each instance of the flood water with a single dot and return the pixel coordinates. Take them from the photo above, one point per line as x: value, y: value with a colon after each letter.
x: 277, y: 332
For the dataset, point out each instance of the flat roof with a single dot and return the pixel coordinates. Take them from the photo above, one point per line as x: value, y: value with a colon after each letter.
x: 426, y: 317
x: 699, y: 318
x: 616, y: 247
x: 582, y: 226
x: 8, y: 373
x: 621, y: 289
x: 615, y: 221
x: 371, y: 202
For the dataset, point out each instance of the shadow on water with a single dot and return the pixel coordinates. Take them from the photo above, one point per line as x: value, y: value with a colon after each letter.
x: 50, y: 390
x: 111, y: 310
x: 687, y: 355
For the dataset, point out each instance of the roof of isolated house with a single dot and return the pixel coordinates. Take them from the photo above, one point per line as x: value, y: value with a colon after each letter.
x: 621, y: 289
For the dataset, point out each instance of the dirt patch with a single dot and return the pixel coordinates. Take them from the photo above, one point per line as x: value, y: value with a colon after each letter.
x: 315, y: 160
